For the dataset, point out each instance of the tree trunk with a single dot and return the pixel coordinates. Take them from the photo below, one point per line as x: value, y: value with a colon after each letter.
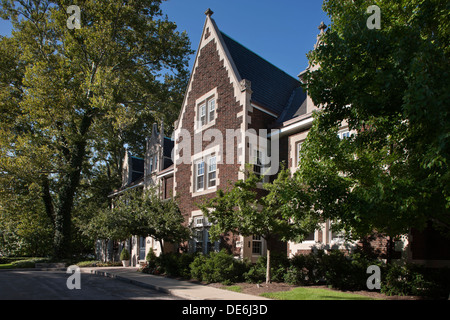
x: 161, y: 244
x: 70, y: 182
x: 268, y: 265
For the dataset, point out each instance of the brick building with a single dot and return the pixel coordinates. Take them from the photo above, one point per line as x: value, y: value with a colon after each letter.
x: 234, y: 97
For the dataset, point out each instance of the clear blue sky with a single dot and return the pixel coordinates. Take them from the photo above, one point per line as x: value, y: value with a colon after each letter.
x: 280, y: 31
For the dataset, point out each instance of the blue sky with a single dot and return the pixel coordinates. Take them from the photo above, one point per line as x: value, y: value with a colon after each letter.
x: 280, y: 31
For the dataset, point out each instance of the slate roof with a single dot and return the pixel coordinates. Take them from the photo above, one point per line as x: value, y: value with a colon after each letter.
x: 272, y: 88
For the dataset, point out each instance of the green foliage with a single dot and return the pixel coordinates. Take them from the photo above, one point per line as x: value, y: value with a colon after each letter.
x: 125, y: 254
x: 140, y: 213
x: 305, y: 269
x: 218, y: 267
x: 278, y: 268
x: 410, y: 279
x: 281, y: 211
x: 170, y: 264
x: 71, y: 99
x: 392, y: 88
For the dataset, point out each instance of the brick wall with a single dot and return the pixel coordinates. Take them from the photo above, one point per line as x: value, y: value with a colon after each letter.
x: 209, y: 74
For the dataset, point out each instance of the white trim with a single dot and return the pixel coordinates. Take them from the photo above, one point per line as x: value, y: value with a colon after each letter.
x: 297, y: 126
x: 165, y: 174
x: 265, y: 111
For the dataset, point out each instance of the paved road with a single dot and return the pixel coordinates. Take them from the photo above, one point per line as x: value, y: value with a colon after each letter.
x: 51, y: 285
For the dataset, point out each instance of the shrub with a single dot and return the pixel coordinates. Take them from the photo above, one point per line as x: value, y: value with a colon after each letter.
x: 279, y: 264
x: 306, y: 269
x: 125, y: 254
x: 411, y: 279
x: 151, y: 259
x: 218, y: 267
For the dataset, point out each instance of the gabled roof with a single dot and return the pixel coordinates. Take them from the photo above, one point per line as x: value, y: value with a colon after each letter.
x: 272, y: 88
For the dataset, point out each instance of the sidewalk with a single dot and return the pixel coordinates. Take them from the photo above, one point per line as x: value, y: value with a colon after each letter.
x: 183, y: 289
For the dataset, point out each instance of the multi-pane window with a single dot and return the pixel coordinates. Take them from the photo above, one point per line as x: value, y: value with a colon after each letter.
x: 257, y: 245
x: 201, y: 240
x: 211, y: 110
x: 212, y: 172
x: 207, y: 111
x: 206, y: 173
x: 257, y: 162
x: 202, y: 114
x: 200, y: 175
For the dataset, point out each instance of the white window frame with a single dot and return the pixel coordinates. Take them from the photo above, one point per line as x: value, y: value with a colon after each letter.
x: 344, y: 134
x: 207, y: 170
x: 259, y: 240
x: 212, y: 168
x: 207, y: 104
x: 197, y: 175
x: 211, y: 109
x: 202, y: 119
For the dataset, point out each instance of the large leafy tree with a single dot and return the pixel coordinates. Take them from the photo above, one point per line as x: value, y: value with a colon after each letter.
x: 279, y: 211
x: 392, y: 86
x: 71, y: 98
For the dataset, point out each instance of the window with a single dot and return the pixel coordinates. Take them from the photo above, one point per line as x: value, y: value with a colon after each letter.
x: 206, y: 173
x: 212, y: 109
x: 257, y: 162
x: 212, y: 172
x: 198, y: 222
x: 202, y: 115
x: 199, y: 239
x: 206, y: 111
x: 257, y: 245
x: 200, y: 175
x: 151, y: 164
x: 310, y: 237
x: 344, y: 134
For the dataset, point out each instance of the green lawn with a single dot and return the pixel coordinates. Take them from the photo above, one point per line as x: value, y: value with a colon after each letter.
x: 313, y: 294
x: 6, y: 266
x: 233, y: 288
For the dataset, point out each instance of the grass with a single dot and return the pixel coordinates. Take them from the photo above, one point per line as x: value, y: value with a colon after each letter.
x: 233, y: 288
x: 313, y: 294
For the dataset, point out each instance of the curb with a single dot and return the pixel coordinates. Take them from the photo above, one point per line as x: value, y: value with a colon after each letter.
x: 138, y: 283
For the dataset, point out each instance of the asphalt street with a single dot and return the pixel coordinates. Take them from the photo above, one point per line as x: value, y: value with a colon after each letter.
x: 52, y: 285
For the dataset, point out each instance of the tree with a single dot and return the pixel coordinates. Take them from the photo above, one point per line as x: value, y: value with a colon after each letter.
x: 392, y: 88
x: 280, y: 211
x: 140, y: 213
x: 161, y: 219
x: 71, y: 98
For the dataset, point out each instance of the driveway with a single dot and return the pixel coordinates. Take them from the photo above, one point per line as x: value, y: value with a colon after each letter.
x: 51, y: 285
